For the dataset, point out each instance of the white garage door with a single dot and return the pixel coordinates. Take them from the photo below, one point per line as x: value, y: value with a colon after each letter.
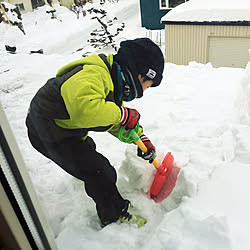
x: 229, y: 51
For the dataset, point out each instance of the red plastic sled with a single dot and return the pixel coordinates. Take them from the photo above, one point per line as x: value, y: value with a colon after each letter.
x: 162, y: 172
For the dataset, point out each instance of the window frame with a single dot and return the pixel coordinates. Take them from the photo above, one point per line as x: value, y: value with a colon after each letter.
x: 163, y: 8
x: 20, y: 6
x: 167, y: 3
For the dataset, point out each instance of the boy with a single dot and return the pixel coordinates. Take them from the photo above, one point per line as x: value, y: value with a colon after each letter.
x: 87, y: 95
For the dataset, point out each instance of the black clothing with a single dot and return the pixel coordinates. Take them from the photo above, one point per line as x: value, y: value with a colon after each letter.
x: 80, y: 159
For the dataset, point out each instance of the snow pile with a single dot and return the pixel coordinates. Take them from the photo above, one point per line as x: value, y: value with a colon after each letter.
x: 210, y: 10
x: 199, y: 113
x: 202, y: 117
x: 66, y: 33
x: 11, y: 21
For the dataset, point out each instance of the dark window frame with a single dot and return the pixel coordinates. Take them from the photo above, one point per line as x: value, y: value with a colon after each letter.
x: 20, y: 6
x: 169, y: 4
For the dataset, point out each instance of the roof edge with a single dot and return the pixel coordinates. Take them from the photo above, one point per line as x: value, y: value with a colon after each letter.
x: 231, y: 23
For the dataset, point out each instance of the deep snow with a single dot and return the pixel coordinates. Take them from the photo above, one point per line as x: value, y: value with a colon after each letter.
x: 199, y: 113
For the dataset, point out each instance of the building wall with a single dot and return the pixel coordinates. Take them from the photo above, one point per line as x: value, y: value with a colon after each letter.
x: 66, y: 3
x: 185, y: 43
x: 26, y: 3
x: 151, y: 14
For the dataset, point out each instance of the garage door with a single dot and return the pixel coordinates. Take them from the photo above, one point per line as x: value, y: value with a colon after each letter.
x: 229, y: 51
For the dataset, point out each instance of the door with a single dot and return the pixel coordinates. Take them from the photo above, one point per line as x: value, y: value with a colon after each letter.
x: 37, y: 3
x: 229, y: 51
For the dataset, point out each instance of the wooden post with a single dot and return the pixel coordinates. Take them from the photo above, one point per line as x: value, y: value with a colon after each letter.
x: 3, y: 10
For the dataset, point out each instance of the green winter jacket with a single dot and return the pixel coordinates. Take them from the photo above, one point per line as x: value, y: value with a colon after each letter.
x: 79, y: 99
x: 88, y: 96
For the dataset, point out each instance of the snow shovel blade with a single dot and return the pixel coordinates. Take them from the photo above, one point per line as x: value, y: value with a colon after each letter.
x: 168, y: 184
x: 161, y: 174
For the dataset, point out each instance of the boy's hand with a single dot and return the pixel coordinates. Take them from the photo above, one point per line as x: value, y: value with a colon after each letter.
x: 130, y: 117
x: 151, y: 154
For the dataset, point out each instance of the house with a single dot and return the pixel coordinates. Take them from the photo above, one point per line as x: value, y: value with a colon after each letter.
x: 30, y: 5
x: 26, y: 5
x: 153, y: 11
x: 216, y: 31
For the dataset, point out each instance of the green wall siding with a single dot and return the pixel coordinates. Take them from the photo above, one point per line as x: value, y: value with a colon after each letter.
x: 151, y: 14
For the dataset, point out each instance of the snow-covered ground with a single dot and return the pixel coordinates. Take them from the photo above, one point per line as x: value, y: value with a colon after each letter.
x: 199, y: 113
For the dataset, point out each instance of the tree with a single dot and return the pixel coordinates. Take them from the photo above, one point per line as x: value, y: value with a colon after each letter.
x: 109, y: 29
x: 77, y: 7
x: 8, y: 10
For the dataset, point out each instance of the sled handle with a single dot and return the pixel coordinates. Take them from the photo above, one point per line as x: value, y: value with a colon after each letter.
x: 134, y: 137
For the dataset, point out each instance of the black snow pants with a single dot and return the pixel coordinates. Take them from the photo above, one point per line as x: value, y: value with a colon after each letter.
x: 80, y: 159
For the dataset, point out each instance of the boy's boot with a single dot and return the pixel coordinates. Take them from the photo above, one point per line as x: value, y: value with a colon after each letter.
x: 128, y: 218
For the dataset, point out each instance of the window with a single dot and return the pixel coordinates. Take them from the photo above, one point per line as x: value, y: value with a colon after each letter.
x: 20, y: 6
x: 169, y: 4
x: 163, y: 4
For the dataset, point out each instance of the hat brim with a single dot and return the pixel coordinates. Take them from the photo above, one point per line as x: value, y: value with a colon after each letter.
x: 157, y: 81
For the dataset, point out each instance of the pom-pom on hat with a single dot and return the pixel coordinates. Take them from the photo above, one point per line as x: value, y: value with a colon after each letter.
x: 142, y: 56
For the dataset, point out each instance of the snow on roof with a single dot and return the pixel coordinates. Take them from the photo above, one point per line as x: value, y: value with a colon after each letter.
x: 210, y: 11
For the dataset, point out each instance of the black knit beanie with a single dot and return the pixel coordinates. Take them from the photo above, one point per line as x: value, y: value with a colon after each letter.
x: 142, y: 56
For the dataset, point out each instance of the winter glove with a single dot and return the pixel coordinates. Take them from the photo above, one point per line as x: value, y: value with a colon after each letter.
x: 130, y: 117
x: 151, y: 154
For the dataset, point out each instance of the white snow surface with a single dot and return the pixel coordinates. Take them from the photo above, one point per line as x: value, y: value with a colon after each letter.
x: 199, y: 113
x: 210, y: 10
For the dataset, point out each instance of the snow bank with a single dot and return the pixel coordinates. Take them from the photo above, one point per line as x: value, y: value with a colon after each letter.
x: 202, y: 122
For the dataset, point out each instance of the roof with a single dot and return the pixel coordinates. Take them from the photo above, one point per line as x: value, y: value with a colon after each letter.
x: 210, y: 11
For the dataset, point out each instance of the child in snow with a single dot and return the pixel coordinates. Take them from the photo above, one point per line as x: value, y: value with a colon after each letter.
x: 87, y: 95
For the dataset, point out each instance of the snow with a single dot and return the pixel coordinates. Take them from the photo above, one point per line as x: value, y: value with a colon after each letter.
x: 210, y: 10
x: 199, y: 113
x: 12, y: 15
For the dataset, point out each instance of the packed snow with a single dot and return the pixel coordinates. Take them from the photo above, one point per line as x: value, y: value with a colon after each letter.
x: 199, y: 113
x: 210, y: 10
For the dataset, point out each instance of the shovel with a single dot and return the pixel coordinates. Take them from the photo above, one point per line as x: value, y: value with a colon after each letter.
x: 166, y: 175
